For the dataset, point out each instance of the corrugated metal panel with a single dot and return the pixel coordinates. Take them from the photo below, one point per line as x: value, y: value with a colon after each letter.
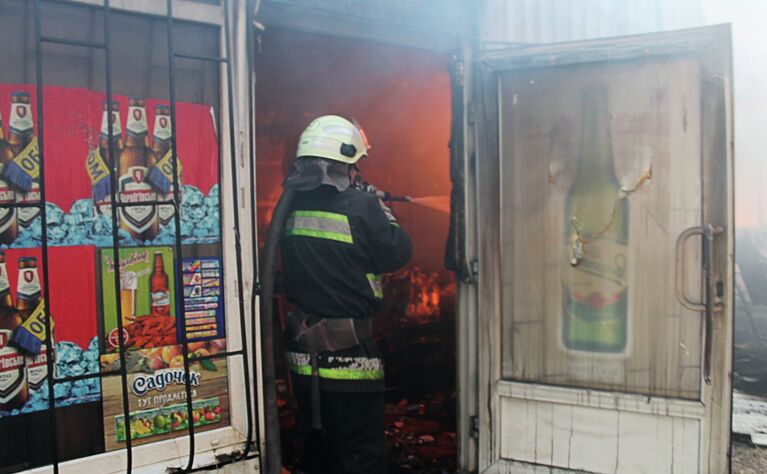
x: 427, y: 24
x: 549, y: 21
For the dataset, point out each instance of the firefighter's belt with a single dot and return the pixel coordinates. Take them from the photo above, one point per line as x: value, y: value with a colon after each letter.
x: 313, y: 334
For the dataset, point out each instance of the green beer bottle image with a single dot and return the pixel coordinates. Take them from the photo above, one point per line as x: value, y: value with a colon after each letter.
x: 594, y: 287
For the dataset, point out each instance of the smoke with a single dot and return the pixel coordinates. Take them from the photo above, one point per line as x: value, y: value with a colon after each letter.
x: 750, y: 72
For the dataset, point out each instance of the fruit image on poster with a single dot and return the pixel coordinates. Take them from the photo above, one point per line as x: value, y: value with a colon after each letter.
x: 148, y: 360
x: 158, y: 403
x: 163, y: 420
x: 77, y: 167
x: 73, y: 309
x: 147, y: 297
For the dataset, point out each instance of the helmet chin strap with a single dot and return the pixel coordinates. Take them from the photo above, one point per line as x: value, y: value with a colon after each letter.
x: 354, y: 174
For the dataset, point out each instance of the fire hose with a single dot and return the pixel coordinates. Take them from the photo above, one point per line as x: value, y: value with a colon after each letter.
x: 273, y: 453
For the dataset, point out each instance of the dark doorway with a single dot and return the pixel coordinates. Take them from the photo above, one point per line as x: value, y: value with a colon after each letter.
x: 401, y: 96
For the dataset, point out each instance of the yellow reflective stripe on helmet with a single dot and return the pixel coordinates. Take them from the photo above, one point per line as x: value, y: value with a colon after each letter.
x: 375, y: 285
x: 319, y: 224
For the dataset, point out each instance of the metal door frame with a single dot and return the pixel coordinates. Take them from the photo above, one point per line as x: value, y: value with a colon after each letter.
x: 483, y: 119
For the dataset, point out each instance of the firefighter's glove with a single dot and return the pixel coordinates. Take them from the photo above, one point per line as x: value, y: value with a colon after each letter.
x: 387, y: 211
x: 368, y: 188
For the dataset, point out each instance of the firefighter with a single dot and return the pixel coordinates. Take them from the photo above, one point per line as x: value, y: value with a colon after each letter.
x: 339, y: 238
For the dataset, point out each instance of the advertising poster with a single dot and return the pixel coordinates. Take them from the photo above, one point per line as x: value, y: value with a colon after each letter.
x: 158, y: 400
x: 73, y: 310
x: 83, y: 294
x: 147, y: 297
x: 202, y: 278
x: 77, y: 172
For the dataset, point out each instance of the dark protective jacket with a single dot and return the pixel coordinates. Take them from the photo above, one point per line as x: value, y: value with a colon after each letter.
x: 335, y: 247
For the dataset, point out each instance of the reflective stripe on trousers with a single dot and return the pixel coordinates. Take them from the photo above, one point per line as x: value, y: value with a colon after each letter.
x: 341, y: 368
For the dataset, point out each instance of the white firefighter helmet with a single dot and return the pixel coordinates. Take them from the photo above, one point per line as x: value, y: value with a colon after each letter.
x: 335, y: 138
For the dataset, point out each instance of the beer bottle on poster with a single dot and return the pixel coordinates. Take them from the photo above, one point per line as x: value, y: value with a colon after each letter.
x: 14, y: 391
x: 8, y: 226
x: 160, y: 147
x: 103, y: 205
x: 159, y: 288
x: 28, y: 298
x: 20, y: 133
x: 594, y: 288
x: 140, y: 221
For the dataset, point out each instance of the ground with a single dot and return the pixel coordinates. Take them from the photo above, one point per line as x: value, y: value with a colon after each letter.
x: 748, y: 460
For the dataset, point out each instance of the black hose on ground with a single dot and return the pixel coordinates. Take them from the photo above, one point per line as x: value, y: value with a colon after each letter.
x: 272, y: 457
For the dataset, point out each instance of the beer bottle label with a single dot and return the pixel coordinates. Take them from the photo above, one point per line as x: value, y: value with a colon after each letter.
x: 165, y: 212
x: 27, y: 214
x: 12, y: 373
x: 595, y: 297
x: 7, y: 196
x: 161, y: 175
x: 4, y: 283
x: 103, y: 206
x: 135, y: 189
x: 98, y: 172
x: 136, y: 120
x: 116, y: 125
x: 96, y: 164
x: 21, y: 118
x: 37, y: 368
x: 29, y: 284
x: 161, y: 302
x: 24, y: 170
x: 34, y: 330
x: 162, y: 129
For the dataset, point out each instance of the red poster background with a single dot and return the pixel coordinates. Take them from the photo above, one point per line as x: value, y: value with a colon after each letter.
x: 73, y: 124
x: 72, y: 289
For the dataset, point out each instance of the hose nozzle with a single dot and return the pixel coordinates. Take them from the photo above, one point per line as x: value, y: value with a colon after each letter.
x: 385, y: 196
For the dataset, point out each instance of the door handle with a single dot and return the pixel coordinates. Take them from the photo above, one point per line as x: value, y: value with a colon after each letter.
x: 710, y: 288
x: 707, y: 232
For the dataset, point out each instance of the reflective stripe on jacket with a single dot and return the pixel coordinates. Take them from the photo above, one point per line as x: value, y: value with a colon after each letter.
x: 335, y: 247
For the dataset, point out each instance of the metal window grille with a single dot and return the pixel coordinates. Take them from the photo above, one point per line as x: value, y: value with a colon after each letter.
x: 106, y: 46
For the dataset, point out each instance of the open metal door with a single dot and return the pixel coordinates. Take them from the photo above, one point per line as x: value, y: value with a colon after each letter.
x: 605, y: 248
